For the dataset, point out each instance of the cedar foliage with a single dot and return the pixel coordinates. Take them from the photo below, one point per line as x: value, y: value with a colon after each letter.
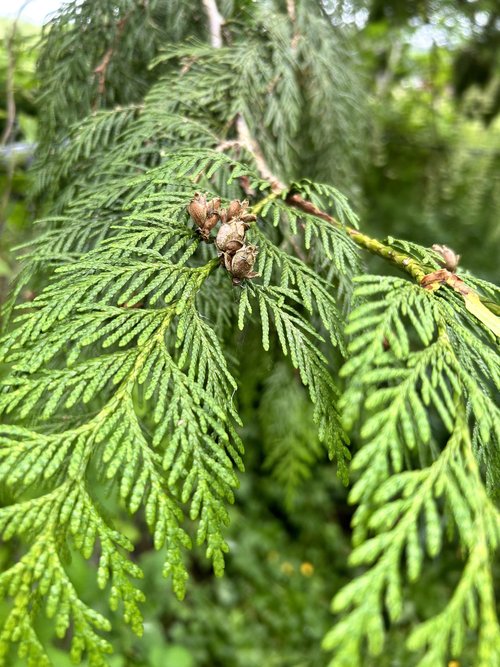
x: 125, y: 368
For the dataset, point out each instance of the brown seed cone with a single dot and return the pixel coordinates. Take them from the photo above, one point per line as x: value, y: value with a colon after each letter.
x: 233, y: 209
x: 198, y: 209
x: 233, y: 246
x: 210, y: 222
x: 242, y: 263
x: 229, y: 232
x: 226, y: 259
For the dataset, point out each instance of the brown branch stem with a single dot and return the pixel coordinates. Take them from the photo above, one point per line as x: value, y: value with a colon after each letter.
x: 404, y: 262
x: 102, y: 67
x: 215, y: 21
x: 247, y: 141
x: 9, y: 88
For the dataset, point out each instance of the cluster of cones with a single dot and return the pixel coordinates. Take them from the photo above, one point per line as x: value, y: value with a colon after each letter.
x: 237, y: 256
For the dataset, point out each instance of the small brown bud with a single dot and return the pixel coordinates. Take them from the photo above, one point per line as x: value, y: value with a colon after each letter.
x: 237, y: 209
x: 210, y: 223
x: 450, y: 258
x: 198, y: 209
x: 233, y: 209
x: 213, y: 216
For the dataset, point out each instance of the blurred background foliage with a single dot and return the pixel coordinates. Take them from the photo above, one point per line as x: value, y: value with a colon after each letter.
x: 18, y: 130
x: 433, y: 170
x: 428, y: 172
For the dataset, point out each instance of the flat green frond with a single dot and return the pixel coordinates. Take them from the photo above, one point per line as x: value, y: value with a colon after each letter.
x: 405, y: 531
x: 195, y: 276
x: 298, y: 341
x: 117, y: 367
x: 416, y: 369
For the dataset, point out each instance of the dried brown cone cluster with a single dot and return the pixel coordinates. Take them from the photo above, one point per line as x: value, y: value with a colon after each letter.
x: 237, y: 256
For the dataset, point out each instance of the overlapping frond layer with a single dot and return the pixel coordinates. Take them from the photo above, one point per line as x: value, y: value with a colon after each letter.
x: 419, y: 368
x: 104, y: 109
x: 123, y: 372
x: 292, y: 444
x: 116, y: 368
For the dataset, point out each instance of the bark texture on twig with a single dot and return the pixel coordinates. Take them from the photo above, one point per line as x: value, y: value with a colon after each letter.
x: 215, y: 21
x: 248, y: 142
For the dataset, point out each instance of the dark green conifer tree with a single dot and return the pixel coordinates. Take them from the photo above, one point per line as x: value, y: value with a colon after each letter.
x: 129, y: 381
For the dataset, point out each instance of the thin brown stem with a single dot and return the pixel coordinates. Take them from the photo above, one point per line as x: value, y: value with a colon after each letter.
x: 404, y: 262
x: 102, y: 67
x: 247, y: 141
x: 291, y: 10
